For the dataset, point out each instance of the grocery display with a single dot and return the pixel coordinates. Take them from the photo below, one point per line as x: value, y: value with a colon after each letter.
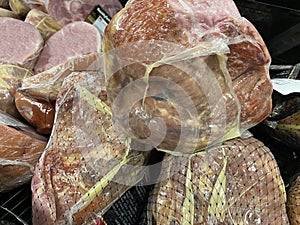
x: 158, y: 112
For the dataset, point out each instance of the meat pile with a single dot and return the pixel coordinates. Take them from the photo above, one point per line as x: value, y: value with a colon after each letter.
x: 186, y: 78
x: 37, y: 53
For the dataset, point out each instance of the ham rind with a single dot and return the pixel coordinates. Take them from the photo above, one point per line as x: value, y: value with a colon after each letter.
x: 71, y: 42
x: 20, y: 43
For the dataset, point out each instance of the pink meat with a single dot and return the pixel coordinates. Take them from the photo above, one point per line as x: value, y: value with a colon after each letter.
x: 20, y: 43
x: 71, y: 42
x: 77, y: 10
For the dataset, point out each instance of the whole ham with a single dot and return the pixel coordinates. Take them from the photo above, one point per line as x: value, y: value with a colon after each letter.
x: 237, y: 182
x: 198, y: 66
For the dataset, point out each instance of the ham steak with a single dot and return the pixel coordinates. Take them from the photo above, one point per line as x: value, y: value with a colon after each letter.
x: 68, y: 11
x: 71, y: 42
x: 19, y: 47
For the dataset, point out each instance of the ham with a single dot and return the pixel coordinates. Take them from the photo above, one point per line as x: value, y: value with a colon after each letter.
x: 68, y: 11
x: 20, y: 43
x: 71, y: 42
x: 207, y: 51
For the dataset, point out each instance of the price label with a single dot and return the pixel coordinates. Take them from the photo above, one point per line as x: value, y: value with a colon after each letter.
x: 286, y: 86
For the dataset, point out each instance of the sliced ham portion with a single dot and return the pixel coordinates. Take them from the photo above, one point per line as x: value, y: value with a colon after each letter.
x: 20, y: 43
x: 77, y: 10
x: 71, y: 42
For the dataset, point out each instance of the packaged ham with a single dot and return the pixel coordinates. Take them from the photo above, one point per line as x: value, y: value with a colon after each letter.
x: 21, y: 47
x: 11, y: 77
x: 43, y: 22
x: 22, y: 7
x: 20, y: 150
x: 38, y: 113
x: 193, y: 72
x: 4, y: 4
x: 47, y: 84
x: 293, y: 201
x: 237, y: 182
x: 68, y: 11
x: 71, y: 42
x: 93, y: 165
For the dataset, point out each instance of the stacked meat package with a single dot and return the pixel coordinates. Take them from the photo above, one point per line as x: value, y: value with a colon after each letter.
x: 144, y: 122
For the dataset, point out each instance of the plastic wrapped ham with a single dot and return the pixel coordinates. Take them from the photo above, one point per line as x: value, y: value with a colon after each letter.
x: 93, y: 166
x: 68, y: 50
x: 177, y: 68
x: 293, y: 203
x: 68, y: 11
x: 20, y: 150
x: 11, y: 77
x: 38, y: 113
x: 237, y: 182
x: 43, y: 22
x: 19, y: 47
x: 22, y: 7
x: 73, y: 41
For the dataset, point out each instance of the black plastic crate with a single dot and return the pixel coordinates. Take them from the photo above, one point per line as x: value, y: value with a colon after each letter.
x: 15, y: 206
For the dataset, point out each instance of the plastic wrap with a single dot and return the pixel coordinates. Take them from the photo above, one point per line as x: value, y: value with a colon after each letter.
x: 68, y: 11
x: 7, y: 13
x: 11, y: 77
x: 22, y: 7
x: 20, y: 43
x: 237, y: 182
x: 181, y: 60
x: 19, y: 7
x: 47, y: 84
x: 4, y: 4
x: 293, y: 201
x: 43, y: 22
x: 20, y: 149
x: 92, y: 164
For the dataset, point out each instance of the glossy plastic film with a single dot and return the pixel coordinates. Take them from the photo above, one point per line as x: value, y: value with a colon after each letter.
x: 11, y: 78
x: 43, y: 22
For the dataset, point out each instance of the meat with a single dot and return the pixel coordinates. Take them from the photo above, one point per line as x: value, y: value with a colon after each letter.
x: 149, y: 46
x: 22, y: 7
x: 43, y: 22
x: 72, y: 41
x: 47, y: 84
x: 20, y: 43
x: 11, y: 77
x: 19, y: 152
x: 68, y: 11
x: 85, y: 151
x: 237, y: 182
x: 293, y: 202
x: 38, y: 113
